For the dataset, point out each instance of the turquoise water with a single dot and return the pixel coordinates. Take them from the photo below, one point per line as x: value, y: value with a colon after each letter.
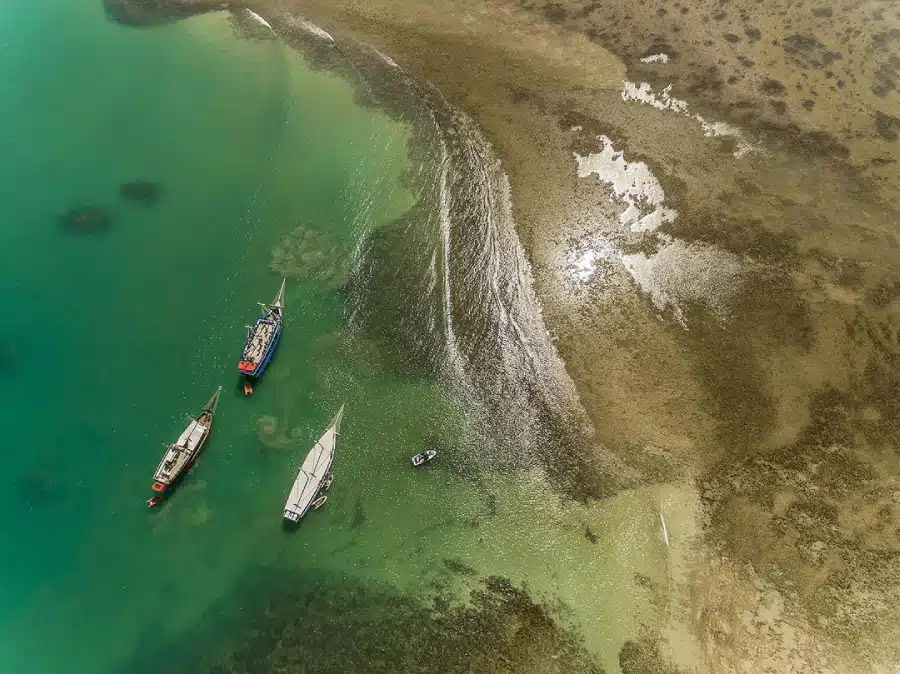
x: 108, y: 337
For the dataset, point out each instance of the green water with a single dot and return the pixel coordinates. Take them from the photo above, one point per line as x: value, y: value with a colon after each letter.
x: 108, y: 337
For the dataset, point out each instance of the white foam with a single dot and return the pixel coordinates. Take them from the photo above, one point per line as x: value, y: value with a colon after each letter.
x: 656, y: 58
x: 256, y: 17
x: 311, y: 28
x: 387, y: 59
x: 632, y: 183
x: 315, y: 30
x: 663, y: 100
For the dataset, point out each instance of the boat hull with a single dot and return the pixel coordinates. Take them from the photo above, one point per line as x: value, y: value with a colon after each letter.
x: 314, y: 475
x: 165, y: 488
x: 254, y: 371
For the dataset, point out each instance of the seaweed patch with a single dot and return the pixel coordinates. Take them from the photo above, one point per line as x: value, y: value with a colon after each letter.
x: 86, y: 220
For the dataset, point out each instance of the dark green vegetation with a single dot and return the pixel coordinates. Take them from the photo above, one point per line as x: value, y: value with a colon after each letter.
x: 317, y: 622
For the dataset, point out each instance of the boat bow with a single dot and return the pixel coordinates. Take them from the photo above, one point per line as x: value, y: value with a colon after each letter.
x: 213, y: 402
x: 279, y: 298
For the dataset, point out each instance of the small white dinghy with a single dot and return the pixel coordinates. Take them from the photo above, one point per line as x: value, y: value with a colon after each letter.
x: 423, y: 458
x: 314, y: 473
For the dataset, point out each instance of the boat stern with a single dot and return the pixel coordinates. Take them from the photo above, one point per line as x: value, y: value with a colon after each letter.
x: 158, y: 487
x: 247, y: 368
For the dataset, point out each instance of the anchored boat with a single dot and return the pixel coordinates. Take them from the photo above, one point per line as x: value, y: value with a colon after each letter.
x: 314, y: 476
x: 181, y: 454
x: 262, y: 338
x: 424, y: 457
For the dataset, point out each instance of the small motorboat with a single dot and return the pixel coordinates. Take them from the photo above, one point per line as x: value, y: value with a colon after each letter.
x: 326, y: 483
x: 154, y: 501
x: 319, y: 502
x: 248, y: 388
x: 423, y: 458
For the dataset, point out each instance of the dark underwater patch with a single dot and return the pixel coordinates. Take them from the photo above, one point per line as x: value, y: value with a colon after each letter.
x: 888, y: 127
x: 85, y: 220
x: 316, y: 621
x: 156, y: 12
x: 772, y: 87
x: 143, y: 191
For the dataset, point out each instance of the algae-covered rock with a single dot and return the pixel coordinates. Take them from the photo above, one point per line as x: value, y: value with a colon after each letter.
x: 310, y: 252
x: 144, y: 191
x: 85, y: 220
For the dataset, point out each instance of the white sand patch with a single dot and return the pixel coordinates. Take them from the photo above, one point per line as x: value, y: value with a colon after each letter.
x: 656, y: 58
x: 663, y: 100
x: 643, y: 93
x: 632, y: 183
x: 679, y: 274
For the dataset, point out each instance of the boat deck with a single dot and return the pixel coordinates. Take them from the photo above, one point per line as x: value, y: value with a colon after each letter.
x: 179, y: 453
x: 258, y: 341
x: 314, y: 472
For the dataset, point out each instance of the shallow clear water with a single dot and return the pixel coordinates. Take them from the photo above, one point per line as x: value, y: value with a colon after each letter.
x: 108, y: 337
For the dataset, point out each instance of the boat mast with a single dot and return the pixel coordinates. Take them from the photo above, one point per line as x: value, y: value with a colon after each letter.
x: 336, y: 421
x: 213, y: 402
x: 279, y: 298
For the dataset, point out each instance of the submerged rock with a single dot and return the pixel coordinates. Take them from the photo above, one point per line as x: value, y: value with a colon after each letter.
x: 155, y: 12
x: 307, y: 251
x: 34, y: 488
x: 271, y: 436
x: 86, y: 220
x: 145, y: 191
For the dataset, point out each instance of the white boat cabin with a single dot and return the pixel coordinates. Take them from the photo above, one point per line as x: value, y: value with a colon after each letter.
x: 181, y: 452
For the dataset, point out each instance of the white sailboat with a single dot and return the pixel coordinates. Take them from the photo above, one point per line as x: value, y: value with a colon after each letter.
x: 313, y: 475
